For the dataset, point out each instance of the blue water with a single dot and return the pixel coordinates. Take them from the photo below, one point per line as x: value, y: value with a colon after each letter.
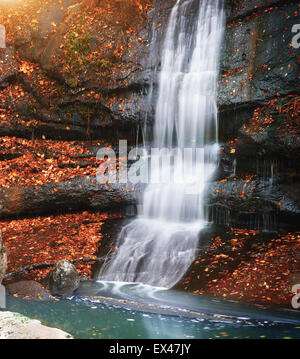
x: 131, y: 311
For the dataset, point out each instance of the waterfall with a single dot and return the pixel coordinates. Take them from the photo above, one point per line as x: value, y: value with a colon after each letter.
x: 159, y: 246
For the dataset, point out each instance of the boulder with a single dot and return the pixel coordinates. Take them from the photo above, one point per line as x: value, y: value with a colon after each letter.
x: 29, y: 290
x: 63, y: 279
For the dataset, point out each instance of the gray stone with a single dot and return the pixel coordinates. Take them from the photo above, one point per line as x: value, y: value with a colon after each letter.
x: 63, y: 279
x: 16, y: 326
x: 2, y: 297
x: 29, y: 290
x: 245, y: 8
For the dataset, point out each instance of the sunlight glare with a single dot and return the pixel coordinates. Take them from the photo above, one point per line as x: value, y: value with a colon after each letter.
x: 9, y: 2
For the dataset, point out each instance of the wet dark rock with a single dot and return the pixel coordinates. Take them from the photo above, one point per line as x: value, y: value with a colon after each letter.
x: 8, y: 67
x: 242, y: 203
x: 270, y: 142
x: 110, y: 232
x: 29, y: 290
x: 127, y: 87
x: 257, y: 61
x: 74, y: 194
x: 239, y: 9
x: 63, y: 279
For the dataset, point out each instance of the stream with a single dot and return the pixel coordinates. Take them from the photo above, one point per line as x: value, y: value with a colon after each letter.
x: 217, y: 161
x: 107, y: 310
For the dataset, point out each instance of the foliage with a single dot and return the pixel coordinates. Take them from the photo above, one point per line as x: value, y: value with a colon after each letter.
x: 69, y: 236
x: 45, y: 161
x: 280, y: 113
x: 242, y: 265
x: 78, y: 48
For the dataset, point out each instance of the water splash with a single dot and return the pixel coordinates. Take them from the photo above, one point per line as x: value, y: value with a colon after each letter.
x: 158, y: 247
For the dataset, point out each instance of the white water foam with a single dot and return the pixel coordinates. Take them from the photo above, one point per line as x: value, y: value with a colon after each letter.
x: 159, y: 246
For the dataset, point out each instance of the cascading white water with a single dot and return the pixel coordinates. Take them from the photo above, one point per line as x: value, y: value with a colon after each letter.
x: 159, y: 246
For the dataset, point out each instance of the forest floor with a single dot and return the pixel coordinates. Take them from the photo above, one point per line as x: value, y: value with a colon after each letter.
x: 249, y: 266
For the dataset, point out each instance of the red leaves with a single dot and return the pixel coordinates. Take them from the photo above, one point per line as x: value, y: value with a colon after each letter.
x: 243, y: 265
x: 263, y: 117
x: 48, y: 239
x: 265, y: 277
x: 44, y: 161
x: 26, y: 67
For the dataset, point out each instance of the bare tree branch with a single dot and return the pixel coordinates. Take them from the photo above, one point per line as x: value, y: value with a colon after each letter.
x: 39, y: 266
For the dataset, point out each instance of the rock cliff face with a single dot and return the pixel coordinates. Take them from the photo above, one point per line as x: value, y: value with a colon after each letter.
x: 74, y: 72
x: 258, y: 61
x: 77, y: 69
x: 259, y: 107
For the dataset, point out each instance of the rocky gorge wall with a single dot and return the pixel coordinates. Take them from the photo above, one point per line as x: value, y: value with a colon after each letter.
x: 259, y: 116
x: 73, y: 72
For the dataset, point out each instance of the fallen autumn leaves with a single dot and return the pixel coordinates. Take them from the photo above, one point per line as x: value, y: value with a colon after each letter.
x: 247, y: 266
x: 49, y: 239
x: 39, y: 162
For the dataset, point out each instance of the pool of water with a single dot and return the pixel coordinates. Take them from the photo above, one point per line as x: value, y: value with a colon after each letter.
x: 132, y: 311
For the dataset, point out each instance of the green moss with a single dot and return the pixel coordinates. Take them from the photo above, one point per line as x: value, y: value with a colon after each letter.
x: 72, y: 81
x: 32, y: 108
x: 60, y: 90
x: 78, y: 48
x: 84, y: 111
